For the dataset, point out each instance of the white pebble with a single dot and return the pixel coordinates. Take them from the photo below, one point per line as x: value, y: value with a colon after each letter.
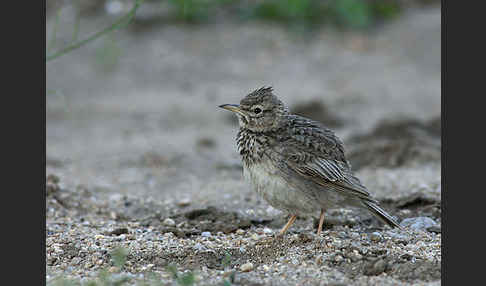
x: 184, y: 202
x: 421, y: 223
x: 169, y: 222
x: 375, y: 236
x: 246, y: 267
x: 206, y: 234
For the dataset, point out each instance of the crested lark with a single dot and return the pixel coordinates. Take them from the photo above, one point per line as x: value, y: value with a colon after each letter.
x: 296, y: 164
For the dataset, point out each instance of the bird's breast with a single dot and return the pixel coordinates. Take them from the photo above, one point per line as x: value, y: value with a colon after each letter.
x: 273, y: 188
x: 264, y: 179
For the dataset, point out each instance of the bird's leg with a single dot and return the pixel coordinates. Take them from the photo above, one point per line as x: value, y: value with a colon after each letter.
x: 321, y: 221
x: 289, y: 223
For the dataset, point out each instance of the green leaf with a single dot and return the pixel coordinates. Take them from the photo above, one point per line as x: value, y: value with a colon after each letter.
x: 353, y: 13
x: 119, y: 256
x: 187, y: 279
x: 226, y: 260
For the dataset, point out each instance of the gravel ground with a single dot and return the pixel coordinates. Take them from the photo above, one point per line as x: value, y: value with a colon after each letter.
x: 140, y: 157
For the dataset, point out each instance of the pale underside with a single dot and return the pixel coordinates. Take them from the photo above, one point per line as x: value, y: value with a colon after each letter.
x: 284, y: 194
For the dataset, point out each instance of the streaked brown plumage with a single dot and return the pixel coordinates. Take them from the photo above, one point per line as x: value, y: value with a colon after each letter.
x: 296, y: 164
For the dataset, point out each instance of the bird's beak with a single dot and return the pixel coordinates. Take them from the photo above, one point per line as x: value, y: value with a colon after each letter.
x: 233, y: 107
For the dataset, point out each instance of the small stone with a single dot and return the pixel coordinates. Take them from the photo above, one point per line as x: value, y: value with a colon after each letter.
x: 240, y: 231
x: 342, y: 234
x: 399, y: 238
x: 130, y: 236
x: 53, y: 178
x: 375, y: 236
x: 206, y: 234
x: 184, y: 203
x: 119, y: 231
x: 319, y: 259
x: 148, y: 267
x: 266, y: 268
x: 113, y: 269
x: 421, y: 223
x: 355, y: 256
x: 169, y: 222
x: 338, y: 258
x: 99, y: 236
x: 246, y: 267
x: 76, y: 260
x: 375, y: 268
x: 52, y: 182
x: 267, y: 230
x: 199, y: 247
x: 405, y: 212
x: 434, y: 228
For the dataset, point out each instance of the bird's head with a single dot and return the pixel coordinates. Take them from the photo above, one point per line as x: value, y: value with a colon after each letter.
x: 259, y: 111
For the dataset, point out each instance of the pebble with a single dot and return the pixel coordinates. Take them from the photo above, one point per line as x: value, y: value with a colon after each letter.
x: 147, y: 267
x: 184, y: 203
x: 375, y: 236
x: 99, y: 236
x: 169, y: 222
x: 398, y: 237
x: 119, y: 231
x: 267, y: 230
x: 338, y: 258
x: 342, y: 234
x: 355, y: 256
x: 246, y: 267
x: 240, y: 231
x: 206, y: 234
x: 421, y: 223
x: 434, y: 228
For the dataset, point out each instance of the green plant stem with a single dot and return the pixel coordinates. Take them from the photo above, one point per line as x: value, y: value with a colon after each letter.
x: 76, y: 27
x: 124, y: 20
x: 52, y: 42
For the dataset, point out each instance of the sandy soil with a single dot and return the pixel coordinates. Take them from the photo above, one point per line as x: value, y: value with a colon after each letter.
x: 143, y: 141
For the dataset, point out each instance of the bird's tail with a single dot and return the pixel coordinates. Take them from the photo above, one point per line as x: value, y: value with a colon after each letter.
x: 381, y: 214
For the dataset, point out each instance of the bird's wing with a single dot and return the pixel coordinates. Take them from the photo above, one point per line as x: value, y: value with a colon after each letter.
x: 315, y: 153
x: 327, y: 172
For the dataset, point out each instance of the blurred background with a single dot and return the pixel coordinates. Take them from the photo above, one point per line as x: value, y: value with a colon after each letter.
x: 135, y: 112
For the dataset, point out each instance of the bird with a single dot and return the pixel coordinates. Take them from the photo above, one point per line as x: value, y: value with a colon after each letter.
x: 296, y: 164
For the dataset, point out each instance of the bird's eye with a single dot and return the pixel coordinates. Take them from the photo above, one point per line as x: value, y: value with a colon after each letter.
x: 257, y: 110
